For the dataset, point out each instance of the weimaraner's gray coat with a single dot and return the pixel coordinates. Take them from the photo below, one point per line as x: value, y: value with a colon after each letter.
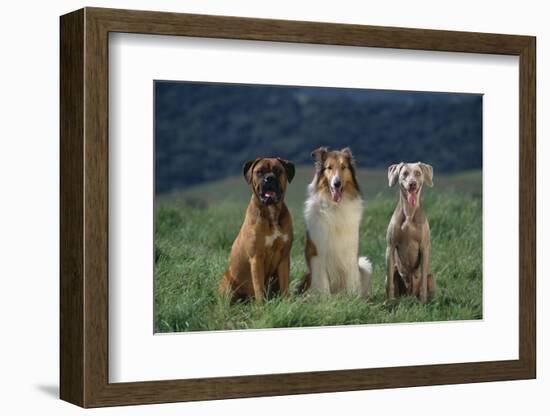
x: 409, y: 248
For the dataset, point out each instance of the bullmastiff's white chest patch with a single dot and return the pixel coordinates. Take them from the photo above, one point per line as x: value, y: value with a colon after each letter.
x: 269, y: 239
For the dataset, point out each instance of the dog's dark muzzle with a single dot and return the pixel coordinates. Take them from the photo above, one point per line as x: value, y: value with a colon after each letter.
x: 270, y: 191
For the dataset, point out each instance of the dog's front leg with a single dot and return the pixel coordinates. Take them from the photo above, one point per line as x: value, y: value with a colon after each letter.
x: 390, y: 270
x: 319, y: 277
x: 258, y: 277
x: 283, y: 270
x: 424, y: 266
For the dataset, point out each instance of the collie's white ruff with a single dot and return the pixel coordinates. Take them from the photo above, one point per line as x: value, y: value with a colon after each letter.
x: 334, y: 230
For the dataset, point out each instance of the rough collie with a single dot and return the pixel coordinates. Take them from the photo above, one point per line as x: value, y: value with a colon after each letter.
x: 333, y: 213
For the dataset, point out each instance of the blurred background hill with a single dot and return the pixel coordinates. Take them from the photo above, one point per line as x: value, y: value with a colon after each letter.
x: 205, y: 132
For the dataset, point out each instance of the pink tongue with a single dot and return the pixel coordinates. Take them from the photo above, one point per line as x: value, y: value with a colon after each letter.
x: 336, y: 196
x: 270, y: 194
x: 411, y: 197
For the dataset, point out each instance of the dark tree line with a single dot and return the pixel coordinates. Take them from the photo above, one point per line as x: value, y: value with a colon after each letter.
x: 204, y: 132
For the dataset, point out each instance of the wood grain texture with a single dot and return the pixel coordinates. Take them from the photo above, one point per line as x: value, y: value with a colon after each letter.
x: 528, y: 208
x: 226, y: 27
x: 71, y: 213
x: 96, y: 208
x: 84, y: 207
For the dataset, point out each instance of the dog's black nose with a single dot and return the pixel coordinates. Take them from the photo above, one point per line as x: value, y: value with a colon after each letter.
x: 269, y: 178
x: 337, y: 183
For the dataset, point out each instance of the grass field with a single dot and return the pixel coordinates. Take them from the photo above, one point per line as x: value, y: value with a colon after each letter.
x: 194, y: 230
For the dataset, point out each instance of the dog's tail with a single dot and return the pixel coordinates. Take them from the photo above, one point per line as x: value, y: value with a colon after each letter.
x: 365, y: 270
x: 305, y: 284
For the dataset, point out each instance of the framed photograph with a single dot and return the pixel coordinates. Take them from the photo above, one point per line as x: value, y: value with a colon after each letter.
x: 254, y: 207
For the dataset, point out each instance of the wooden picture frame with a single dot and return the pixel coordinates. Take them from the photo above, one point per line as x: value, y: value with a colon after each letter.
x: 84, y: 207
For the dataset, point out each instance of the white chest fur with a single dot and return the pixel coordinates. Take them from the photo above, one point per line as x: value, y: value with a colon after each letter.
x: 270, y: 239
x: 326, y: 220
x: 334, y: 230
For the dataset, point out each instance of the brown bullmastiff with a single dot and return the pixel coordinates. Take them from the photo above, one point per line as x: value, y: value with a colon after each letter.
x: 260, y: 255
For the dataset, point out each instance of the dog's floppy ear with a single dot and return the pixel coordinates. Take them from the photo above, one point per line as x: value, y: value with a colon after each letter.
x: 319, y: 154
x: 347, y: 152
x: 428, y: 172
x: 289, y: 168
x: 393, y: 174
x: 248, y: 167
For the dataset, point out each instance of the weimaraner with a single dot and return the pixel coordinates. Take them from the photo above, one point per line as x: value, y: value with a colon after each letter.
x: 409, y: 248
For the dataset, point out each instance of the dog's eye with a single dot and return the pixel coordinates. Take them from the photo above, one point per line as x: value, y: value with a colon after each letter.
x: 329, y: 167
x: 259, y: 172
x: 417, y: 173
x: 344, y: 167
x: 405, y: 174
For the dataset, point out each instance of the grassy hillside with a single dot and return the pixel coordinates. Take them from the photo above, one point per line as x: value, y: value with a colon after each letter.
x: 194, y: 230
